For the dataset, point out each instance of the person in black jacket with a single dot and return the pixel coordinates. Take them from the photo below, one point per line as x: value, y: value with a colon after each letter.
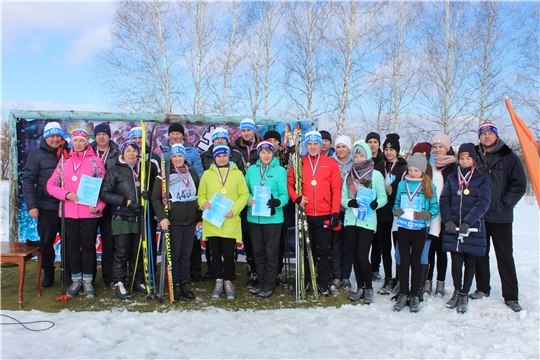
x: 508, y: 185
x: 121, y: 190
x: 41, y: 206
x: 182, y: 216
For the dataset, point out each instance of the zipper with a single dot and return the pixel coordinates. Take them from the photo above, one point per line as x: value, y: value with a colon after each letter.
x: 460, y: 219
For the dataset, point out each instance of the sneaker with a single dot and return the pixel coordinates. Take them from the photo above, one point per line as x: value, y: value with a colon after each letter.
x: 265, y: 294
x: 178, y: 293
x: 229, y: 289
x: 186, y: 290
x: 514, y: 305
x: 452, y: 303
x: 478, y: 295
x: 368, y: 296
x: 252, y: 280
x: 88, y: 289
x: 386, y: 289
x: 218, y: 289
x: 376, y: 276
x: 255, y: 290
x: 335, y: 284
x: 414, y: 304
x: 324, y: 291
x: 279, y: 281
x: 358, y: 295
x: 346, y: 284
x: 48, y: 280
x: 401, y: 302
x: 75, y: 288
x: 439, y: 290
x: 463, y: 303
x: 395, y: 288
x: 140, y: 288
x: 121, y: 291
x: 428, y: 287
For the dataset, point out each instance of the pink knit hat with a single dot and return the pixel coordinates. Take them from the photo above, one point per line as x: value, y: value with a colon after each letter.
x: 442, y: 139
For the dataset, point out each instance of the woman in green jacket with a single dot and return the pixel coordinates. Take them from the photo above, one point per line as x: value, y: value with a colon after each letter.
x: 223, y: 177
x: 265, y: 230
x: 362, y: 193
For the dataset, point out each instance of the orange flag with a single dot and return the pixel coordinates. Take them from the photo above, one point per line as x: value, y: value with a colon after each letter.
x: 529, y: 147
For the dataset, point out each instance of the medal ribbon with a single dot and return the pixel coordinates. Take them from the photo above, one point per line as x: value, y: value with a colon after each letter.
x: 391, y: 168
x: 249, y: 148
x: 415, y: 193
x: 464, y: 180
x: 360, y: 178
x: 105, y: 154
x: 314, y: 169
x: 263, y: 173
x: 224, y: 179
x: 75, y: 168
x: 185, y: 179
x: 135, y: 172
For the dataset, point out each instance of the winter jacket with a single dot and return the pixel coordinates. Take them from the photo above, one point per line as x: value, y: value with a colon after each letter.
x: 92, y: 166
x: 325, y: 196
x: 430, y: 205
x: 276, y: 178
x: 344, y: 169
x: 435, y: 223
x: 112, y: 156
x: 236, y: 190
x: 469, y: 208
x: 38, y: 169
x: 207, y: 158
x: 193, y: 158
x: 180, y: 213
x: 507, y: 179
x: 241, y: 146
x: 385, y: 214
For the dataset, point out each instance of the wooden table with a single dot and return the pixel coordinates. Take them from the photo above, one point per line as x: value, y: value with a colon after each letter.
x: 19, y: 253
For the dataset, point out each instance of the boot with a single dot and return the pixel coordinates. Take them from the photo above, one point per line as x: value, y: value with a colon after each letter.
x: 395, y: 288
x: 48, y: 280
x: 121, y: 291
x: 178, y: 293
x: 265, y: 294
x: 229, y: 290
x: 335, y: 284
x: 186, y: 290
x: 358, y: 295
x: 452, y: 303
x: 414, y: 304
x: 252, y: 280
x: 346, y: 284
x: 423, y: 278
x: 218, y: 289
x: 401, y: 302
x: 428, y: 287
x: 439, y: 290
x: 463, y: 303
x: 75, y: 288
x: 376, y: 276
x: 386, y: 289
x: 89, y: 291
x: 368, y: 296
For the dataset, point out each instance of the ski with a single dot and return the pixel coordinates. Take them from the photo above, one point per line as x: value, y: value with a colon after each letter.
x: 297, y: 166
x: 311, y: 263
x: 166, y: 254
x: 151, y: 237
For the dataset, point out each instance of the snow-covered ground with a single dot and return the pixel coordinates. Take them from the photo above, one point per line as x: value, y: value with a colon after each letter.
x: 488, y: 330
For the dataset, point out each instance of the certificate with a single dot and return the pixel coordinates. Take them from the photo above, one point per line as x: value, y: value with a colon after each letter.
x: 364, y: 197
x: 220, y: 207
x: 261, y: 194
x: 88, y: 191
x: 409, y: 207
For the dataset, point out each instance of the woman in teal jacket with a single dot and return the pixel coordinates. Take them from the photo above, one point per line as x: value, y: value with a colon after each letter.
x: 360, y: 215
x: 265, y: 230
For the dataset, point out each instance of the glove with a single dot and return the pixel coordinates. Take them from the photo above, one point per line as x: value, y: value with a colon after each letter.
x: 145, y: 195
x: 450, y: 227
x: 273, y: 204
x: 373, y: 205
x: 135, y: 207
x: 399, y: 212
x: 389, y: 179
x: 352, y: 203
x: 334, y: 220
x: 298, y: 200
x: 464, y: 228
x: 63, y: 149
x: 421, y: 215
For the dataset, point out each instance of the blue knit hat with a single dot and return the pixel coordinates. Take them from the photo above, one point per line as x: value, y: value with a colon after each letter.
x: 178, y: 149
x: 52, y: 128
x: 134, y: 132
x: 221, y: 149
x: 220, y: 132
x: 265, y: 144
x: 488, y: 126
x: 248, y: 124
x: 128, y: 143
x: 313, y: 136
x: 104, y: 128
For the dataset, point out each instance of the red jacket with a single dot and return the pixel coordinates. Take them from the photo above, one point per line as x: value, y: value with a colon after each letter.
x: 324, y: 198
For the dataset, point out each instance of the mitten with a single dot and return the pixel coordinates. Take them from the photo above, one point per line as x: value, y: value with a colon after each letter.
x: 334, y: 220
x: 464, y: 228
x: 298, y: 200
x: 273, y: 203
x: 373, y: 205
x: 450, y: 227
x: 389, y: 179
x: 399, y: 212
x: 421, y: 215
x: 133, y: 206
x: 352, y: 203
x: 146, y: 195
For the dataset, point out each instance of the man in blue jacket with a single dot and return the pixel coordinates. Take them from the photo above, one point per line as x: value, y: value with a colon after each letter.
x: 508, y: 185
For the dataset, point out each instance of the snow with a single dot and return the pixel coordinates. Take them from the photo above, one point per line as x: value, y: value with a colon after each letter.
x: 488, y: 330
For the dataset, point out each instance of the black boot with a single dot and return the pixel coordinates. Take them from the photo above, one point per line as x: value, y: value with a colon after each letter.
x: 178, y: 294
x: 186, y: 290
x: 48, y: 280
x: 423, y: 278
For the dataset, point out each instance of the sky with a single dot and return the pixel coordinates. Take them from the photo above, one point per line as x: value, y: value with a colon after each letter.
x: 46, y: 53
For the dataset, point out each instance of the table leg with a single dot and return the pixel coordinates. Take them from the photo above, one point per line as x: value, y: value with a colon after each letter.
x: 22, y: 269
x: 38, y: 288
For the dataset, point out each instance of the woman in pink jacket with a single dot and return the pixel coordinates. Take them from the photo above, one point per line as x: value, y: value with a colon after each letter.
x: 81, y: 220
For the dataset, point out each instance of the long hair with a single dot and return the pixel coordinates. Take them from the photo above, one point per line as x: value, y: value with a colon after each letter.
x: 427, y: 189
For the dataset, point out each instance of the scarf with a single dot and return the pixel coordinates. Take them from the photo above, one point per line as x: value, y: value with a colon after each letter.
x: 443, y: 160
x: 361, y: 168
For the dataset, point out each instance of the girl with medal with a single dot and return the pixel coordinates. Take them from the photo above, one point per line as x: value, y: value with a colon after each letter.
x: 223, y: 178
x: 416, y: 184
x: 81, y: 220
x: 465, y: 200
x: 183, y: 217
x: 360, y: 229
x: 120, y: 189
x: 265, y: 231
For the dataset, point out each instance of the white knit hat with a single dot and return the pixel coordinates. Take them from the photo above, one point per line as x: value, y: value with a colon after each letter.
x: 345, y: 140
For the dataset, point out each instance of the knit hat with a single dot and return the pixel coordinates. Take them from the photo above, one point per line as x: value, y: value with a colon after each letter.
x: 178, y: 149
x: 135, y: 132
x: 392, y: 141
x: 248, y: 124
x: 128, y: 143
x: 442, y: 139
x: 423, y: 147
x: 102, y: 128
x: 345, y: 140
x: 272, y: 134
x: 418, y: 161
x: 265, y: 144
x: 220, y: 132
x: 359, y: 149
x: 373, y: 135
x: 52, y: 128
x: 313, y: 136
x: 221, y: 149
x: 176, y: 127
x: 80, y: 134
x: 326, y: 135
x: 467, y: 149
x: 488, y: 126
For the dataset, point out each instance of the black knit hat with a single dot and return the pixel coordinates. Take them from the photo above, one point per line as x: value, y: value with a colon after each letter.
x: 176, y: 127
x: 373, y: 135
x: 104, y: 128
x: 326, y: 135
x: 392, y: 141
x: 272, y: 134
x: 467, y: 149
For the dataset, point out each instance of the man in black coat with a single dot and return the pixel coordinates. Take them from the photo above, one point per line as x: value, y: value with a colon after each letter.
x: 508, y: 185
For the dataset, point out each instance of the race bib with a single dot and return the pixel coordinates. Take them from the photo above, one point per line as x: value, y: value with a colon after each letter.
x: 180, y: 191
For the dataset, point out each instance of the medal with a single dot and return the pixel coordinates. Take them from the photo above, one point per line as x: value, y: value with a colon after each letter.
x: 75, y: 168
x: 411, y: 197
x: 314, y: 169
x: 464, y: 180
x: 223, y: 179
x: 247, y: 164
x: 466, y: 192
x: 223, y: 191
x: 263, y: 173
x: 74, y: 178
x: 459, y: 192
x: 313, y: 182
x: 135, y: 175
x: 137, y: 183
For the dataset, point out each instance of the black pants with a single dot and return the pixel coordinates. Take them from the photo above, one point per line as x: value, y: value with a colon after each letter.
x: 321, y: 239
x: 361, y: 240
x: 195, y: 266
x: 265, y: 240
x: 376, y: 253
x: 107, y: 245
x: 48, y: 226
x: 410, y: 244
x: 384, y: 234
x: 181, y: 246
x: 223, y: 247
x: 81, y: 236
x: 502, y: 237
x: 125, y: 250
x: 246, y: 240
x: 458, y: 260
x: 442, y: 259
x: 341, y: 259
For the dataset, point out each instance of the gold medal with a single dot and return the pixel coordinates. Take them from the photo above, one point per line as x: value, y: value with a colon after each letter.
x: 74, y: 178
x: 466, y: 192
x: 313, y: 182
x: 137, y: 183
x: 223, y: 191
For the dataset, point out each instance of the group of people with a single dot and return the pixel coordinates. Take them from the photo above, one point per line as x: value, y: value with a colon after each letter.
x: 361, y: 204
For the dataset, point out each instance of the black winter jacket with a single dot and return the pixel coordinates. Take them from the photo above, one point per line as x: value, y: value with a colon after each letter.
x: 39, y: 167
x: 112, y: 156
x: 241, y: 146
x: 385, y: 214
x: 236, y: 157
x: 507, y: 178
